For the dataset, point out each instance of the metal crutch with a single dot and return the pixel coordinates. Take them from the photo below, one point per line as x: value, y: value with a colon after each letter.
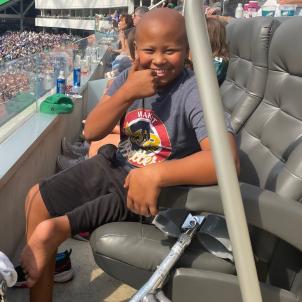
x: 148, y: 292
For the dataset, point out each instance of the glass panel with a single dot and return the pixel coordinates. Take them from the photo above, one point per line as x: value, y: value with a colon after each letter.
x: 25, y: 81
x: 17, y: 89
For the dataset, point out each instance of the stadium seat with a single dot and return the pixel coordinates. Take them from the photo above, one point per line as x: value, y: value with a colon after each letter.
x: 243, y: 88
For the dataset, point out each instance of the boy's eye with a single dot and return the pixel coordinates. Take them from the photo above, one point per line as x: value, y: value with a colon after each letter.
x: 170, y: 51
x: 148, y: 50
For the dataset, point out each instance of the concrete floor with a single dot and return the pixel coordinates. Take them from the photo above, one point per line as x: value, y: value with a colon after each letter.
x: 90, y: 283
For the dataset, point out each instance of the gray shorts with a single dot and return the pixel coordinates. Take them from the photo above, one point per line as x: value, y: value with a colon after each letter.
x: 90, y: 193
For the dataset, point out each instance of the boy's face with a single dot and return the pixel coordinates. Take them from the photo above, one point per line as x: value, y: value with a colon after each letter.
x: 162, y: 49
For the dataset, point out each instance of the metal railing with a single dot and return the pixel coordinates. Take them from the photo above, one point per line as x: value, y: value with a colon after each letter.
x: 157, y: 4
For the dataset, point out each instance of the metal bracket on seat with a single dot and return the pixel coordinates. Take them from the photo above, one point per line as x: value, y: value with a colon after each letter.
x: 211, y: 231
x: 3, y: 289
x: 184, y: 226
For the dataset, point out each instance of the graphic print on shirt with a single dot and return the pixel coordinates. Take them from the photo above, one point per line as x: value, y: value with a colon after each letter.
x: 147, y: 140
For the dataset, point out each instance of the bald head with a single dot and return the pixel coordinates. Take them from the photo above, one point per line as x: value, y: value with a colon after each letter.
x: 162, y: 20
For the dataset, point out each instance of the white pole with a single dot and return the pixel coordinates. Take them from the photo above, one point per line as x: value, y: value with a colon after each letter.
x: 224, y: 163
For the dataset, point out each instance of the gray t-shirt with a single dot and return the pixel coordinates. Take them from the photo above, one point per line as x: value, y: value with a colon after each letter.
x: 167, y: 125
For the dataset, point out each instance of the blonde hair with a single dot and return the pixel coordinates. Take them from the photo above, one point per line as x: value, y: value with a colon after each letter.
x: 217, y: 35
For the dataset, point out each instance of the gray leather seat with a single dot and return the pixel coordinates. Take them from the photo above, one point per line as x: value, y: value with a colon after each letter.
x: 243, y: 88
x: 131, y: 252
x: 270, y: 146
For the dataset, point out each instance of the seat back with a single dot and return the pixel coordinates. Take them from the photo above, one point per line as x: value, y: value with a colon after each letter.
x: 271, y: 141
x: 271, y: 147
x: 243, y: 88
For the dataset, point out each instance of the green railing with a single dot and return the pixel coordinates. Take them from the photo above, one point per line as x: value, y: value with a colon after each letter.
x: 3, y: 2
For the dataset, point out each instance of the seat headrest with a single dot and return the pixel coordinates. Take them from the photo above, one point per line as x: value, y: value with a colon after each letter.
x: 286, y: 47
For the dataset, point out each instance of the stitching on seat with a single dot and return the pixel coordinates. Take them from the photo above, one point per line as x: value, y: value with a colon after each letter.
x: 246, y: 60
x: 244, y: 89
x: 272, y: 153
x: 289, y: 115
x: 112, y: 235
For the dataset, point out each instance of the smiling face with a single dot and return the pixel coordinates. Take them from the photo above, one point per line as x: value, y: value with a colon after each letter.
x: 161, y: 44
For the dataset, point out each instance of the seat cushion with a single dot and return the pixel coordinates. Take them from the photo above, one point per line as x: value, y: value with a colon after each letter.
x: 143, y: 247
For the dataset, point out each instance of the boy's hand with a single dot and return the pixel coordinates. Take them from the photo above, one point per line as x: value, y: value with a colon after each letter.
x: 143, y: 191
x: 140, y: 83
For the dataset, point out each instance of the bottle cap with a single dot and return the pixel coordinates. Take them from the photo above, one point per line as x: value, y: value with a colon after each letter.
x: 77, y: 60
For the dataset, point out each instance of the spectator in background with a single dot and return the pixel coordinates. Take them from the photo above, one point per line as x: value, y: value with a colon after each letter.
x: 212, y: 7
x: 217, y: 35
x: 124, y: 24
x: 220, y: 52
x: 115, y: 18
x: 169, y: 4
x: 14, y: 45
x: 124, y: 59
x: 138, y: 13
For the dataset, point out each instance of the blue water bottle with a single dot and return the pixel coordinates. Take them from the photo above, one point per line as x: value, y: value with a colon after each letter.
x: 77, y: 71
x: 61, y: 83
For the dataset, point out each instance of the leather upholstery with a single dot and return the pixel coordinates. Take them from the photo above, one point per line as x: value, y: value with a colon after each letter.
x: 243, y: 88
x: 271, y: 146
x: 143, y: 246
x: 271, y: 142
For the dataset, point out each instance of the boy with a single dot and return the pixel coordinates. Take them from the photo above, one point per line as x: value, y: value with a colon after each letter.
x: 158, y: 107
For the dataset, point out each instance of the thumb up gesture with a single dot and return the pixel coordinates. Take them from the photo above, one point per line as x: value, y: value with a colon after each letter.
x: 141, y: 82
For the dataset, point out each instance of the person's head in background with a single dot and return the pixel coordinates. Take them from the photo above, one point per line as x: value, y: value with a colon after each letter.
x: 138, y: 13
x: 217, y: 35
x: 125, y: 22
x: 161, y: 44
x: 130, y: 37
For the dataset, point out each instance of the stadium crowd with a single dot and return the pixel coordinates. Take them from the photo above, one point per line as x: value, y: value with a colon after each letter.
x: 11, y: 84
x: 14, y: 45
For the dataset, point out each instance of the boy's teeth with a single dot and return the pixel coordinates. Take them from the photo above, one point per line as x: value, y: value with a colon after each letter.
x: 160, y: 71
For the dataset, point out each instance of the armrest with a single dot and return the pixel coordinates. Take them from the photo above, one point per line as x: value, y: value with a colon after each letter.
x: 189, y: 284
x: 264, y: 209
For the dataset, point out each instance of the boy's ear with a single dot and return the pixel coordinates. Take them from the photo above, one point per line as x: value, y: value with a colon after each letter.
x: 135, y: 49
x: 188, y: 54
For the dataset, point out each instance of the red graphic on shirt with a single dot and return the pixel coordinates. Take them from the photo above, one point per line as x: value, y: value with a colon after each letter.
x: 147, y: 138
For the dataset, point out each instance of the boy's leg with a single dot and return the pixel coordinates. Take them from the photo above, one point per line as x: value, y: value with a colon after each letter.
x: 43, y: 237
x: 112, y: 138
x: 90, y: 194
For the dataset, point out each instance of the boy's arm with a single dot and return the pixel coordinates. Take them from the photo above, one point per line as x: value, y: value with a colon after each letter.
x: 144, y: 184
x: 107, y: 113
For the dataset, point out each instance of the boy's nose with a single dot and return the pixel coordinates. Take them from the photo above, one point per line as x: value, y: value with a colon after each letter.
x: 159, y: 59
